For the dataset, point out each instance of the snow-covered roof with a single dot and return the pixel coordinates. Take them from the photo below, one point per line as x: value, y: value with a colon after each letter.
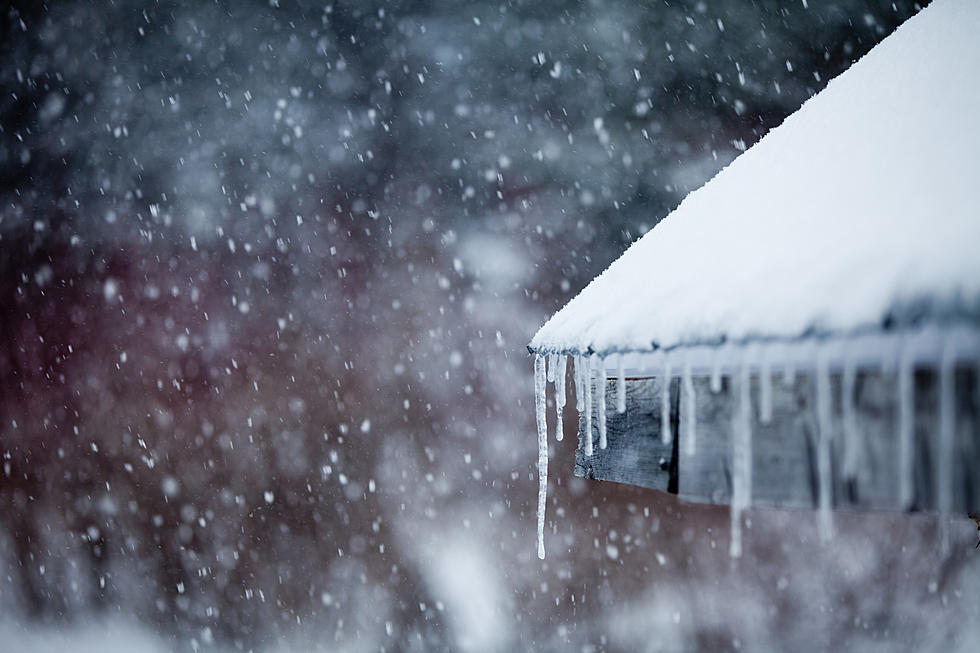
x: 861, y: 210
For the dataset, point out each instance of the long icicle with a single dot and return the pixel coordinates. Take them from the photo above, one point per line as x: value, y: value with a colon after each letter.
x: 824, y: 426
x: 741, y: 458
x: 600, y: 370
x: 587, y: 384
x: 765, y: 387
x: 716, y: 369
x: 620, y: 385
x: 906, y: 395
x: 690, y: 408
x: 665, y: 433
x: 853, y: 440
x: 947, y: 429
x: 562, y: 362
x: 540, y: 385
x: 579, y: 386
x: 789, y: 370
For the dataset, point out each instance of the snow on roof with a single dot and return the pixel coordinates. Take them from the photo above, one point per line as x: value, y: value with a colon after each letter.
x: 860, y: 210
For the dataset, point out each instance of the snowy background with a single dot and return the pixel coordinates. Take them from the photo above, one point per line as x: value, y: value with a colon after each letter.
x: 267, y: 273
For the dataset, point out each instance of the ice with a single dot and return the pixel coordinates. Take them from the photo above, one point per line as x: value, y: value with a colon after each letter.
x: 824, y: 440
x: 561, y: 362
x: 745, y: 426
x: 947, y: 427
x: 690, y: 408
x: 906, y: 395
x: 587, y: 385
x: 765, y: 389
x: 789, y: 372
x: 665, y: 431
x: 853, y: 440
x: 716, y: 370
x: 741, y: 459
x: 620, y: 385
x: 552, y: 363
x: 601, y: 380
x: 540, y: 404
x: 579, y: 385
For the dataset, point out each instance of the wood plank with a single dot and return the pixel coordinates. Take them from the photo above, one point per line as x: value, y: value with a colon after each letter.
x: 635, y: 453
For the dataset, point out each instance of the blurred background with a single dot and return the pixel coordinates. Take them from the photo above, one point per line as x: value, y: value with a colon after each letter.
x: 267, y: 273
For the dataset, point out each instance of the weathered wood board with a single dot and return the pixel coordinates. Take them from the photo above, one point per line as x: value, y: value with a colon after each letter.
x: 864, y: 453
x: 635, y: 452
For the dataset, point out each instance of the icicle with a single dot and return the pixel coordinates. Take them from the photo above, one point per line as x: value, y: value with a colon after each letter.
x: 765, y: 389
x: 735, y: 548
x: 906, y: 395
x: 539, y: 412
x: 853, y: 441
x: 560, y: 367
x: 690, y: 407
x: 665, y: 433
x: 789, y: 370
x: 587, y: 385
x: 824, y: 426
x: 601, y: 399
x: 552, y: 364
x: 947, y: 426
x: 741, y: 460
x: 620, y: 386
x: 716, y: 371
x: 579, y: 386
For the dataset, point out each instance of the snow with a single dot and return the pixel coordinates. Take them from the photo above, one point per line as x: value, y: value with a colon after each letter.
x: 118, y: 634
x: 465, y: 574
x: 860, y: 208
